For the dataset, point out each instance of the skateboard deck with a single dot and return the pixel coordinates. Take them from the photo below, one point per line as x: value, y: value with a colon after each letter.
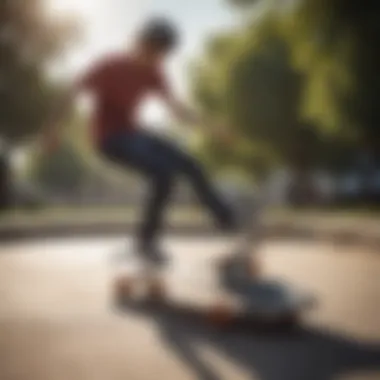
x: 234, y: 295
x: 265, y: 301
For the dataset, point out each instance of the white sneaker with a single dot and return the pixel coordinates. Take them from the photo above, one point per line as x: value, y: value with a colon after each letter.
x: 244, y: 208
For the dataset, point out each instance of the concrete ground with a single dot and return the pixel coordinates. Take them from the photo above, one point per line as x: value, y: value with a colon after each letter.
x: 57, y: 320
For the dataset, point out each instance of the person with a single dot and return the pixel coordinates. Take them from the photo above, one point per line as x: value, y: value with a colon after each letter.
x: 119, y: 83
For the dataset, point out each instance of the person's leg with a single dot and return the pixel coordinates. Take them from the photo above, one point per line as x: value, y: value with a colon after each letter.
x: 153, y: 215
x: 205, y: 191
x: 140, y: 153
x: 208, y: 194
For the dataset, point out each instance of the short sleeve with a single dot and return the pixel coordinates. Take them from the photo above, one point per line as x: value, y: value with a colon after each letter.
x: 94, y: 76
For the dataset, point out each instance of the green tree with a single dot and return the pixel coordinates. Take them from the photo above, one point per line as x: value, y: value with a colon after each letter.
x: 334, y: 43
x: 342, y: 66
x: 62, y: 172
x: 342, y: 40
x: 29, y: 39
x: 248, y: 79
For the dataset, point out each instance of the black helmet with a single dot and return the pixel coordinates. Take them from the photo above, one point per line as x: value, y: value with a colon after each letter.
x: 160, y: 33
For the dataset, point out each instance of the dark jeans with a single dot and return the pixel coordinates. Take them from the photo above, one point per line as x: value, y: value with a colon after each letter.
x: 162, y: 163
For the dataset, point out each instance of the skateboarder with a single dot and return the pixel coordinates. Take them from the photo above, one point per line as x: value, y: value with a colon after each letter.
x: 119, y: 84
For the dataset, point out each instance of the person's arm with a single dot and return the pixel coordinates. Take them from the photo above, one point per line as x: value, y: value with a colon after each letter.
x: 176, y: 107
x: 185, y: 114
x: 189, y: 116
x: 180, y: 110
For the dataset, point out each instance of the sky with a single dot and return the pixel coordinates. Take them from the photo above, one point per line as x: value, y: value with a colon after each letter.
x: 109, y: 24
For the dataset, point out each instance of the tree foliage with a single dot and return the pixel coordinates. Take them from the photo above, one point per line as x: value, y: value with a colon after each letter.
x: 341, y: 62
x: 249, y: 79
x: 300, y: 82
x: 64, y: 171
x: 29, y: 39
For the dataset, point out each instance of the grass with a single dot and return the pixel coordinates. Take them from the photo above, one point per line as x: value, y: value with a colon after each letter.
x: 182, y: 215
x: 87, y: 215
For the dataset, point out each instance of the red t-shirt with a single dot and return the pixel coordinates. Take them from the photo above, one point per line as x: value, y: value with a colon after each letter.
x: 119, y: 84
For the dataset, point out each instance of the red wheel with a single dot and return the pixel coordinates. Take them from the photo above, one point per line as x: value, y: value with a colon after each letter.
x: 220, y: 315
x: 254, y: 269
x: 123, y: 287
x: 156, y: 290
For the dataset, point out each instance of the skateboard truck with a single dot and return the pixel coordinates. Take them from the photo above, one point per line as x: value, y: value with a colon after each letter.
x: 243, y: 294
x: 242, y: 267
x: 240, y: 273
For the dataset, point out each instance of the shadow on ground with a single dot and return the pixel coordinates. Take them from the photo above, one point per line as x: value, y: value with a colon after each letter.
x: 302, y: 353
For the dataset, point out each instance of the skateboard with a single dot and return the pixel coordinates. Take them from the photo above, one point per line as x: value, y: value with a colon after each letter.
x: 240, y: 292
x: 266, y: 303
x: 235, y: 297
x: 240, y: 274
x: 142, y: 280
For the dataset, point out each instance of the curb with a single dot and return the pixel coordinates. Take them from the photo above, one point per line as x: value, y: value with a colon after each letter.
x: 274, y: 231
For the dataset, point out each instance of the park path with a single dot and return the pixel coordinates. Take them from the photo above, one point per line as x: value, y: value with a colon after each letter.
x: 56, y: 321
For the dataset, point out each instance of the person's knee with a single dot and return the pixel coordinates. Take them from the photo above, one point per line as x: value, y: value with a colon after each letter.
x: 163, y: 179
x: 192, y: 168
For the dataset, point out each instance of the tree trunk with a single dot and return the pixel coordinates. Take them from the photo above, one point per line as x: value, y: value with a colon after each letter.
x: 5, y: 179
x: 302, y: 191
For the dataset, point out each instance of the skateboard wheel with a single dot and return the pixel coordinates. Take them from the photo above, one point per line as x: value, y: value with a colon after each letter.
x: 220, y: 315
x: 123, y: 287
x: 156, y: 290
x: 254, y: 269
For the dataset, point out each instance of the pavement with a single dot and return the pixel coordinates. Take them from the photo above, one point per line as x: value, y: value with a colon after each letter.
x: 57, y: 320
x: 338, y: 228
